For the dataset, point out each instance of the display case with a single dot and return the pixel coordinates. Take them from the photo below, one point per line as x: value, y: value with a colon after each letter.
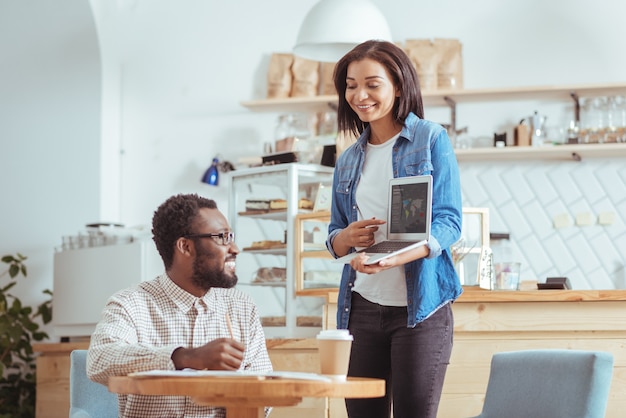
x: 263, y: 204
x: 317, y: 274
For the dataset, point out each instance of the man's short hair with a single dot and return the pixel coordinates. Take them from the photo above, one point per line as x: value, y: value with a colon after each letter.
x: 175, y: 218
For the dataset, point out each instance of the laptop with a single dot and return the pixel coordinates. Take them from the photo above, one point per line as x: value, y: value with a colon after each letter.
x: 409, y: 216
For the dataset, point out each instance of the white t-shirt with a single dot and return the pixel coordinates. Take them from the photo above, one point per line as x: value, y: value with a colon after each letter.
x: 388, y: 287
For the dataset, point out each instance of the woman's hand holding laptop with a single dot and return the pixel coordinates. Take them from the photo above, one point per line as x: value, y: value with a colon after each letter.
x: 357, y: 234
x: 359, y: 263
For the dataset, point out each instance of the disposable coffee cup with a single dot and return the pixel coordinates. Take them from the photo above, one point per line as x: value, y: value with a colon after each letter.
x: 334, y: 350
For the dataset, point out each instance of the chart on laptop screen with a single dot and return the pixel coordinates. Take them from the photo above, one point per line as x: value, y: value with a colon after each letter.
x: 408, y: 208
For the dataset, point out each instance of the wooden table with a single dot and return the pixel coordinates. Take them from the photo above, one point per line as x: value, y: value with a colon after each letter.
x: 246, y: 397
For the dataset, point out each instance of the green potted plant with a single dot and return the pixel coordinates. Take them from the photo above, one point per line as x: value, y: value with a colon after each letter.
x: 19, y: 327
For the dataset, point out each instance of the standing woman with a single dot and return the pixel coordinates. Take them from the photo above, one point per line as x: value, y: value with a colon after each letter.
x: 399, y: 309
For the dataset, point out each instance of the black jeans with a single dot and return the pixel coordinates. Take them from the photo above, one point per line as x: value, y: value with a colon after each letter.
x: 413, y: 361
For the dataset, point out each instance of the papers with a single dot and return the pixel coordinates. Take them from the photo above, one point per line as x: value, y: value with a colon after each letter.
x: 298, y: 375
x: 195, y: 373
x: 239, y: 374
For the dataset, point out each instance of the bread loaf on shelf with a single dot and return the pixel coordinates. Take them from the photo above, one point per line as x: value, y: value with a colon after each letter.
x: 253, y: 205
x: 265, y: 245
x: 278, y: 204
x: 265, y: 204
x: 301, y: 321
x: 270, y: 275
x: 305, y: 203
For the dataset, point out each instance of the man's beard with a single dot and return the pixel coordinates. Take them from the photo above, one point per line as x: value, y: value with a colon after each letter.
x: 206, y: 279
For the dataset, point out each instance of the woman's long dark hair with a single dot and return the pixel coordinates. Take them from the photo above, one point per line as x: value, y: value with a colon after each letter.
x: 403, y: 75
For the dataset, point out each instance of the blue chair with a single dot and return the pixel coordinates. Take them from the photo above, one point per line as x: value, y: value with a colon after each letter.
x: 88, y: 399
x: 548, y: 383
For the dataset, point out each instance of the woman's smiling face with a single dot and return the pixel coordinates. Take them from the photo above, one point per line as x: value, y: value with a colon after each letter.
x: 370, y: 90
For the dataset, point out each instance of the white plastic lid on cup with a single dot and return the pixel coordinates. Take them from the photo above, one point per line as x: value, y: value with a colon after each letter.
x: 335, y: 334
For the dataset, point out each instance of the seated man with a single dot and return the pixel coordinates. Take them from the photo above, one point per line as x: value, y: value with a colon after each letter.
x: 181, y: 319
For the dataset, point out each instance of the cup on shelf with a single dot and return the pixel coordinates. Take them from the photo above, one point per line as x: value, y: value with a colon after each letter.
x: 556, y: 135
x: 573, y: 132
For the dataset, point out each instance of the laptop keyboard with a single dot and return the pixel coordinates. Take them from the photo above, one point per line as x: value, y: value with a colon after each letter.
x: 387, y: 246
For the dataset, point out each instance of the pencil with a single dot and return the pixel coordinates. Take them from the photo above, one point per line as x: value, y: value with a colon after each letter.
x: 229, y: 325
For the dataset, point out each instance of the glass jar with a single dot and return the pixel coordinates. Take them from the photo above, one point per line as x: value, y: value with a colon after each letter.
x: 619, y: 117
x: 593, y: 120
x: 290, y: 127
x: 573, y: 132
x: 327, y: 124
x: 613, y: 120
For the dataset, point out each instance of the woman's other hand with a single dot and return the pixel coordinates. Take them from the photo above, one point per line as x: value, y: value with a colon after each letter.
x: 357, y: 234
x: 358, y: 263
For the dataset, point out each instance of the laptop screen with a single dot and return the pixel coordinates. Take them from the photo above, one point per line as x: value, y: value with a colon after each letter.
x: 409, y: 208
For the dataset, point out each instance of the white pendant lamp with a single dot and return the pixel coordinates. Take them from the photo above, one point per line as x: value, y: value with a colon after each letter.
x: 334, y: 27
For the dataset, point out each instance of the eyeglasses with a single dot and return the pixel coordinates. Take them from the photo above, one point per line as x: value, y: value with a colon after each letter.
x: 221, y: 238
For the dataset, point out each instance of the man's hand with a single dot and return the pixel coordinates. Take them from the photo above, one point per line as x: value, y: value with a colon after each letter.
x: 219, y: 354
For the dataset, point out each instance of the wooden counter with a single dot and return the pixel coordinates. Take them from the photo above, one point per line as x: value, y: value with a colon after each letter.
x: 475, y: 294
x: 486, y: 322
x: 53, y: 378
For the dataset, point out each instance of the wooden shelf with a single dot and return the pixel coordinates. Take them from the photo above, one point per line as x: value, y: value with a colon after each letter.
x: 277, y: 215
x: 268, y: 251
x: 453, y: 97
x: 315, y: 254
x: 266, y: 284
x: 292, y: 104
x: 439, y: 97
x: 556, y: 152
x: 547, y: 93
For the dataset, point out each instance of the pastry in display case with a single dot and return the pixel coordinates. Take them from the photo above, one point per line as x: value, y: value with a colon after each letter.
x: 270, y: 275
x: 265, y: 205
x: 265, y: 245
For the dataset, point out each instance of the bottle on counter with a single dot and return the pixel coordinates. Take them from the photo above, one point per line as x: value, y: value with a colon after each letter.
x: 506, y: 274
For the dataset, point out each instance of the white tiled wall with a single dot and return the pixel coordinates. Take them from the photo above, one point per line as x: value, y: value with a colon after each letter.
x: 524, y: 198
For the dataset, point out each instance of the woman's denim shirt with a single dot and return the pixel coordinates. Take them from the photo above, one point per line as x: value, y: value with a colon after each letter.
x: 423, y: 147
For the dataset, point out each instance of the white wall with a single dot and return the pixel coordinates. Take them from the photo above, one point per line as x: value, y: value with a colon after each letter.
x: 182, y: 68
x: 50, y: 102
x: 174, y: 73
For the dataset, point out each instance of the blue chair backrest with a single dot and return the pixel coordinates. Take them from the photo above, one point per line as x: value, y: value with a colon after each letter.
x: 551, y: 383
x: 88, y: 399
